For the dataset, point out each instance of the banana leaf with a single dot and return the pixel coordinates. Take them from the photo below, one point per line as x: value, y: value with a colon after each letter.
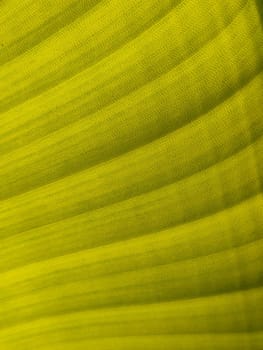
x: 131, y: 175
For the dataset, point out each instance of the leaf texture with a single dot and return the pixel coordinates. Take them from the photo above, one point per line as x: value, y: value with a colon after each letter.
x: 131, y: 152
